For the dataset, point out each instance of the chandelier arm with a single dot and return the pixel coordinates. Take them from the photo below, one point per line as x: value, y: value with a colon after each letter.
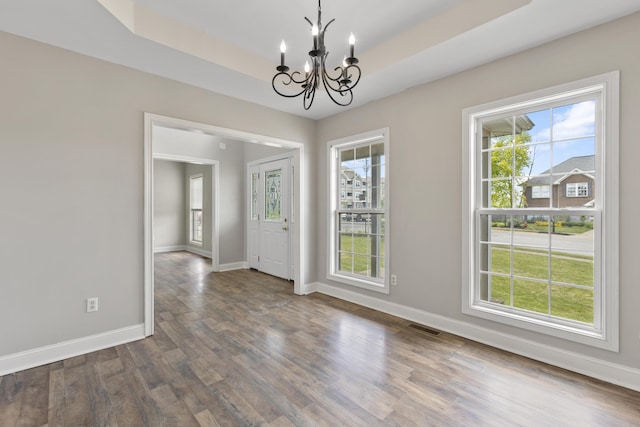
x: 345, y: 93
x: 326, y: 26
x: 288, y: 79
x: 343, y: 82
x: 326, y: 81
x: 345, y: 79
x: 310, y: 90
x: 340, y: 75
x: 353, y: 66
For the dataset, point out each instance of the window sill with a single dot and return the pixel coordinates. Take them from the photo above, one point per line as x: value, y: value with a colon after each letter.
x: 564, y: 330
x: 381, y: 287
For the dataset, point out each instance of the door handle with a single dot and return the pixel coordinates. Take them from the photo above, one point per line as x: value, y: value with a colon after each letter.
x: 285, y: 228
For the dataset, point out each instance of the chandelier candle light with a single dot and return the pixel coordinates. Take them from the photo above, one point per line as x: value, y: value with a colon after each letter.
x: 338, y: 82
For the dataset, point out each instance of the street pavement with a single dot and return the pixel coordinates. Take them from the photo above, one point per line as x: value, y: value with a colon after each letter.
x: 572, y: 243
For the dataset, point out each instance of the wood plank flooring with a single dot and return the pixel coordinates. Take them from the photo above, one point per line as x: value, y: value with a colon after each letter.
x: 240, y: 349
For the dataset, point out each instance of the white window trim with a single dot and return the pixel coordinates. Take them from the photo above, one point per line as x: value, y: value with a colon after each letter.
x: 332, y: 274
x: 191, y: 241
x: 607, y: 246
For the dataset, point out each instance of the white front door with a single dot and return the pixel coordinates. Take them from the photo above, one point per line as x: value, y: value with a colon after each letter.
x: 269, y: 219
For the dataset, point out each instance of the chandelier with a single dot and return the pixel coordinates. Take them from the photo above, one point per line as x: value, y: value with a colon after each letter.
x: 337, y: 82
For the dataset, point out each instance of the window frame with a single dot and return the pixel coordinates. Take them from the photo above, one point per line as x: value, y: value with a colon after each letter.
x: 605, y: 333
x: 333, y: 148
x: 192, y: 211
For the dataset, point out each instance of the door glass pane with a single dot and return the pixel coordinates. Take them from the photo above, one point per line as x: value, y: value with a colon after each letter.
x: 254, y: 196
x: 196, y: 192
x: 273, y: 192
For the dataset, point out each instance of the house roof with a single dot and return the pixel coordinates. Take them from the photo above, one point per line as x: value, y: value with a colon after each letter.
x: 580, y: 164
x: 351, y: 174
x: 505, y: 125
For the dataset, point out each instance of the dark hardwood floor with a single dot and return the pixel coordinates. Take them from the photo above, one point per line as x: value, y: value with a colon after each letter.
x: 239, y: 348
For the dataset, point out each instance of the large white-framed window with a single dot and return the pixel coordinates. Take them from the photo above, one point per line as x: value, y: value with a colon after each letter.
x: 358, y: 236
x: 196, y: 192
x: 526, y: 263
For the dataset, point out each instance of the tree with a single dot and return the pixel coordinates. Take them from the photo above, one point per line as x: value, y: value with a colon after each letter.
x: 510, y: 157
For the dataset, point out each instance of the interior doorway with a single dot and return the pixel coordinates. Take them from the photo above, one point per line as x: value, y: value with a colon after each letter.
x: 297, y: 228
x: 174, y: 222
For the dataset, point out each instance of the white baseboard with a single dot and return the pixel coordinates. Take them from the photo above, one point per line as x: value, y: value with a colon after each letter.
x: 175, y: 248
x: 242, y: 265
x: 188, y: 248
x: 309, y: 288
x: 66, y: 349
x: 585, y: 365
x: 198, y: 251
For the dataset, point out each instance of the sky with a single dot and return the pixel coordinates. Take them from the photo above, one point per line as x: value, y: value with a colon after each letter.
x: 572, y: 128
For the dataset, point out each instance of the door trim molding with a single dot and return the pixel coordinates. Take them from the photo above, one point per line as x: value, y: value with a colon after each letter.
x: 298, y: 246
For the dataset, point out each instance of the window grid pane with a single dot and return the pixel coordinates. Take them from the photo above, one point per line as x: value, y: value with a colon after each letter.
x: 360, y: 217
x: 524, y: 258
x: 196, y: 225
x: 196, y: 195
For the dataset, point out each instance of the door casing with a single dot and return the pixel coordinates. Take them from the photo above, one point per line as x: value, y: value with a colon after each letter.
x: 298, y: 244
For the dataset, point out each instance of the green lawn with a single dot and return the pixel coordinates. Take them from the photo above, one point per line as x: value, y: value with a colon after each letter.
x: 561, y: 230
x: 358, y: 259
x: 566, y: 301
x: 533, y: 227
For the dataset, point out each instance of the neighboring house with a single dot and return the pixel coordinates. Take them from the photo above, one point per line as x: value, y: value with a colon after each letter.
x: 353, y: 189
x: 354, y: 193
x: 568, y: 184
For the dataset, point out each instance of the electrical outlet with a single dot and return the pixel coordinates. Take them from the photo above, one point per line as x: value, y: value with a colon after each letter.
x: 92, y: 304
x: 394, y: 280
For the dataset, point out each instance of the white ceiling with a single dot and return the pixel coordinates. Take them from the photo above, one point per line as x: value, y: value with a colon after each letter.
x: 232, y: 47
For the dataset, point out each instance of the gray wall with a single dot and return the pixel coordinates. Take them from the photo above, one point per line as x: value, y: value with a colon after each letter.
x: 425, y: 178
x: 169, y: 208
x: 253, y: 152
x: 71, y: 225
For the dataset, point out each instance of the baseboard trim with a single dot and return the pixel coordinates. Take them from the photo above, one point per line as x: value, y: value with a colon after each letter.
x: 188, y: 248
x: 242, y: 265
x: 585, y: 365
x: 309, y: 288
x: 198, y: 251
x: 53, y: 353
x: 175, y: 248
